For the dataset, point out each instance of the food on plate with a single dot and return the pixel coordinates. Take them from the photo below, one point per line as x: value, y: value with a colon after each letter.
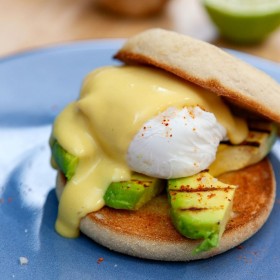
x: 164, y: 157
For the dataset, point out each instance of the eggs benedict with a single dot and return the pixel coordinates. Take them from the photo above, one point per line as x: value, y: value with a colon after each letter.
x: 156, y: 121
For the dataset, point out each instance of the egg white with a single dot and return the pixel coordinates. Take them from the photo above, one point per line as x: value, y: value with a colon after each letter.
x: 176, y: 143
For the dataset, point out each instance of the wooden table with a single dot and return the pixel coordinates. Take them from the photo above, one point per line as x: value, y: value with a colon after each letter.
x: 27, y: 24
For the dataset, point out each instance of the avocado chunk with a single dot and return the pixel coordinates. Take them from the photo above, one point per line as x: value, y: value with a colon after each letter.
x: 200, y: 208
x: 257, y: 145
x: 132, y: 194
x: 65, y: 162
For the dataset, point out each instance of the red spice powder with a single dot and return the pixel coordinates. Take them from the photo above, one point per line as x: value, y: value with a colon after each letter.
x: 165, y: 122
x: 211, y: 195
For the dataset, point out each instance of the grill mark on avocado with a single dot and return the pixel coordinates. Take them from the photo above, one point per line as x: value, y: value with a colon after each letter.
x: 260, y: 129
x: 200, y: 209
x: 253, y: 143
x: 244, y: 143
x: 187, y: 189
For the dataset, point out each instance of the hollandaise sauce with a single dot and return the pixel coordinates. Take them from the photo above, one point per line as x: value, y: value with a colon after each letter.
x: 97, y: 128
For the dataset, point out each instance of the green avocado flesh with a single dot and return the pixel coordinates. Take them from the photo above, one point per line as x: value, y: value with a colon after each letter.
x: 200, y: 208
x: 257, y: 145
x: 65, y: 162
x: 133, y: 194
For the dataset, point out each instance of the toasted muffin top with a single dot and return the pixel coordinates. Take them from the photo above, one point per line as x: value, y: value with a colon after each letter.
x: 207, y: 66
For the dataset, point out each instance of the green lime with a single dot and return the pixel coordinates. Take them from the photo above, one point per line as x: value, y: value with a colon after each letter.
x: 244, y: 21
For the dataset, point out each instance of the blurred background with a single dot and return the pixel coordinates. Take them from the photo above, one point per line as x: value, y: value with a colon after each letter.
x: 28, y: 24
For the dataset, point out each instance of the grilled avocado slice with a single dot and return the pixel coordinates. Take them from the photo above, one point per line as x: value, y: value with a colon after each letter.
x: 200, y: 208
x: 133, y: 194
x: 257, y: 145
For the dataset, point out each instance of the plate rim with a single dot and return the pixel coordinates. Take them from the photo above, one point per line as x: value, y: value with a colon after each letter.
x: 109, y: 43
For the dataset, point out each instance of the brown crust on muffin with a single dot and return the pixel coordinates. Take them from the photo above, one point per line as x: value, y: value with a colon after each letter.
x: 207, y: 66
x: 149, y: 233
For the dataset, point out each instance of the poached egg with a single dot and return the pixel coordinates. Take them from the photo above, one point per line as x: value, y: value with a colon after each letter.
x: 176, y: 143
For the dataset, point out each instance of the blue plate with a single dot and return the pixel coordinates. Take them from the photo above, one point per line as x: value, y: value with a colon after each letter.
x: 34, y: 87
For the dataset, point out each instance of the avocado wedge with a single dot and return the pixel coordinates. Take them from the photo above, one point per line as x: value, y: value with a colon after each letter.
x: 257, y: 145
x: 200, y: 208
x: 133, y: 194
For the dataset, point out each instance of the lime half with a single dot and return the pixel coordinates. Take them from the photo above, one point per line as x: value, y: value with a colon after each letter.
x: 244, y: 21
